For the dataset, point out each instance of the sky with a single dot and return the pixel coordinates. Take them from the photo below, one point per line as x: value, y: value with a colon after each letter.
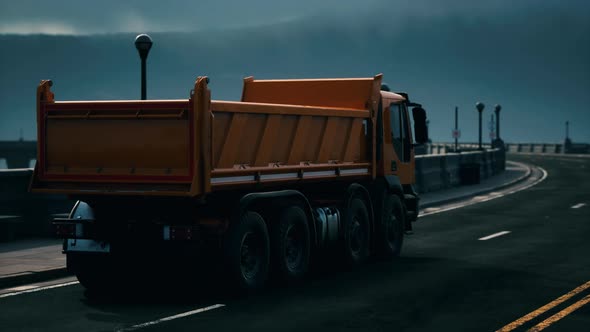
x: 541, y: 79
x: 75, y: 17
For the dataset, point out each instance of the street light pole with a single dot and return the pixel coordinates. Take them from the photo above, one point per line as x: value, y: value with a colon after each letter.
x: 497, y: 109
x: 143, y: 43
x: 480, y: 106
x: 456, y: 128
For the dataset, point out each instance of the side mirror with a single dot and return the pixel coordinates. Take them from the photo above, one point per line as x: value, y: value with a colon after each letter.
x: 420, y: 129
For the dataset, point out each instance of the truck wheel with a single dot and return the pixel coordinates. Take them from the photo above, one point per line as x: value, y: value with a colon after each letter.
x: 390, y: 231
x: 356, y: 232
x: 93, y: 272
x: 291, y: 244
x: 247, y: 252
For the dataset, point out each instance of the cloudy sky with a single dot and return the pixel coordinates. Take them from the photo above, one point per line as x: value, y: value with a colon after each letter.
x: 532, y: 56
x: 76, y: 17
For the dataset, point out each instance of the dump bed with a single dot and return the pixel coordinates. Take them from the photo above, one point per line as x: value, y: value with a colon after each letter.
x: 281, y: 131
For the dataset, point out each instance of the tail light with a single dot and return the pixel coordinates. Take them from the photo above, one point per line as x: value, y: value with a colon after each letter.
x: 69, y: 229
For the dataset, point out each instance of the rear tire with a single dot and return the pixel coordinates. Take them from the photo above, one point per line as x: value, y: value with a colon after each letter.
x: 247, y: 251
x: 356, y: 232
x: 97, y: 273
x: 390, y: 231
x: 291, y: 245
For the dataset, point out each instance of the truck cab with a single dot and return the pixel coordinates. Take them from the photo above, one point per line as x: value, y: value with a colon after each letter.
x: 396, y: 153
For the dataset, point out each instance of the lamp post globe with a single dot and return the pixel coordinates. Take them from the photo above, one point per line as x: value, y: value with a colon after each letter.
x: 480, y: 106
x: 143, y: 44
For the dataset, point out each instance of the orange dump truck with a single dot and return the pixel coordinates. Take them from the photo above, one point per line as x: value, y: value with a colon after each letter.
x: 267, y: 183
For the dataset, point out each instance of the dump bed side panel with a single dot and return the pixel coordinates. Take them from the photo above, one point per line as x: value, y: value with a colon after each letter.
x: 269, y: 143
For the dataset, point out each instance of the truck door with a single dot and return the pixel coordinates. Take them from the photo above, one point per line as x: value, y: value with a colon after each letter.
x: 401, y: 163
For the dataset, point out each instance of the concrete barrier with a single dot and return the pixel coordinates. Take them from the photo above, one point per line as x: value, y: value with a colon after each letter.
x: 452, y: 167
x: 26, y: 214
x: 430, y: 173
x: 438, y: 171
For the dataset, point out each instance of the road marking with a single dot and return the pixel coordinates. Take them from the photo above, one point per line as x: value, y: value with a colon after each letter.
x: 21, y: 288
x: 485, y: 238
x: 472, y: 202
x: 38, y: 289
x: 545, y: 308
x: 169, y: 318
x: 577, y: 206
x: 545, y: 324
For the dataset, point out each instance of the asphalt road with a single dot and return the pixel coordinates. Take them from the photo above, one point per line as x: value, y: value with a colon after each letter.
x: 446, y: 280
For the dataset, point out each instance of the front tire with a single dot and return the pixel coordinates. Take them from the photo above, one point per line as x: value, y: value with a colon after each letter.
x: 247, y: 251
x: 390, y: 231
x: 356, y: 232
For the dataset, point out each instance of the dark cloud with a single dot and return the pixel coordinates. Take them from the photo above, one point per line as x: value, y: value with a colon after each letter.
x: 531, y: 56
x: 112, y: 16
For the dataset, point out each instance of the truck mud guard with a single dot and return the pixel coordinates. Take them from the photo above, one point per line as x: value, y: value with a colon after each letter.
x: 394, y: 185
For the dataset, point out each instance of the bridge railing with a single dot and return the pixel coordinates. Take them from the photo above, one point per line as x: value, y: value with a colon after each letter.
x: 539, y: 148
x: 442, y: 148
x: 581, y: 148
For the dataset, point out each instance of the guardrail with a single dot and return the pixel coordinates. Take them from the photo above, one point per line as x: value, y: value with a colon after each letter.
x: 580, y: 148
x: 442, y: 148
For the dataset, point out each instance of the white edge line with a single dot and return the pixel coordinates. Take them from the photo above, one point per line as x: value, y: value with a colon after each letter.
x: 37, y: 289
x: 489, y: 237
x: 169, y: 318
x: 471, y: 202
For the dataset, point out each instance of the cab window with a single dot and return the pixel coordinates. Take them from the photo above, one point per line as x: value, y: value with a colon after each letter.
x: 399, y: 125
x: 396, y: 129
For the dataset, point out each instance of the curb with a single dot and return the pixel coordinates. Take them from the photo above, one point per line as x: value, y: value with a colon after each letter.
x: 32, y: 277
x: 521, y: 178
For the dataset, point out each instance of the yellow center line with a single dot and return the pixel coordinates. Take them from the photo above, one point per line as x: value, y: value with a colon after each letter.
x: 544, y: 324
x: 544, y: 308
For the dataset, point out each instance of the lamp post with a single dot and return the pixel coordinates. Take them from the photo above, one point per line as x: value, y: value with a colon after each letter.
x: 456, y: 132
x: 498, y: 143
x: 497, y: 109
x: 480, y: 106
x: 143, y: 43
x: 568, y: 142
